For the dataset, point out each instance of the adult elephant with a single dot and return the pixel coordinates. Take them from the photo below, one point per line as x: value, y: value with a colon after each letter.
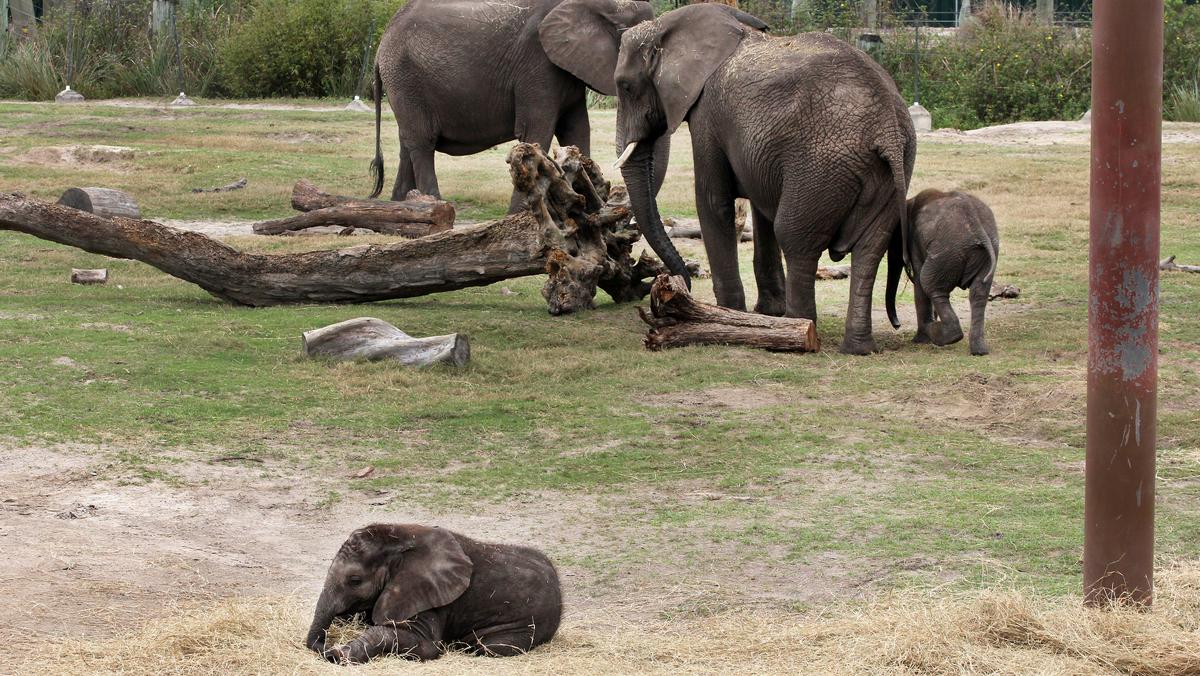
x: 465, y: 75
x: 809, y: 129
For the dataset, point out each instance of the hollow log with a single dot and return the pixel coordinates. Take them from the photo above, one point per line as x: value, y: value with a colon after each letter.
x: 677, y: 319
x: 370, y: 339
x: 89, y: 276
x: 104, y: 202
x: 571, y: 231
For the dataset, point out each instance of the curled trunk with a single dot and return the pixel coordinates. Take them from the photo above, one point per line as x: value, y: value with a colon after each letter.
x: 639, y: 179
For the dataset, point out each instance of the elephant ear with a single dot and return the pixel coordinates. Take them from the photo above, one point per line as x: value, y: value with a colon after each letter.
x: 430, y: 571
x: 583, y: 36
x: 693, y: 42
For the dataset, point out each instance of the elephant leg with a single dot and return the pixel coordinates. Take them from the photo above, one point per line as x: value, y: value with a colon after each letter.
x: 714, y: 206
x: 979, y: 301
x: 574, y: 129
x: 406, y: 180
x: 946, y: 329
x: 423, y: 170
x: 924, y: 313
x: 384, y: 640
x: 768, y: 268
x: 865, y: 264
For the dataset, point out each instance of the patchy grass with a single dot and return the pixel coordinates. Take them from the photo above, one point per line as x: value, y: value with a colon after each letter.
x: 916, y: 466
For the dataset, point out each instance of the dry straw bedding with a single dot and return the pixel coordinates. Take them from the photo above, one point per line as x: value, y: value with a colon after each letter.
x: 905, y: 632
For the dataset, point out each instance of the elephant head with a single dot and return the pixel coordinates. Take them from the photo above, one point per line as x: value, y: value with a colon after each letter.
x: 392, y: 573
x: 582, y: 37
x: 661, y: 71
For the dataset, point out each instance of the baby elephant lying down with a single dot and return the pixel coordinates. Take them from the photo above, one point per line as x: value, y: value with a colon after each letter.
x: 426, y: 590
x: 954, y: 243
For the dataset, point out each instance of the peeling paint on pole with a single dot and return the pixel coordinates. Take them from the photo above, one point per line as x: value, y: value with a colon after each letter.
x: 1127, y: 62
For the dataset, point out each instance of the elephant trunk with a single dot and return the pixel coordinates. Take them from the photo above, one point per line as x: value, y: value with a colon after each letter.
x: 322, y: 618
x: 638, y: 172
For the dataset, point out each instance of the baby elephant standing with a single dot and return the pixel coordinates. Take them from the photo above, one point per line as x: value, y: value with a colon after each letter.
x: 954, y: 244
x: 424, y: 590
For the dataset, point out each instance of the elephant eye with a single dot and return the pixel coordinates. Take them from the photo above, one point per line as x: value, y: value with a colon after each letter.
x: 354, y: 581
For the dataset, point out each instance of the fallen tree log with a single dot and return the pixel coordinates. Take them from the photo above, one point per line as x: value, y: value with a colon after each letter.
x: 677, y: 319
x: 104, y: 202
x: 387, y: 218
x: 1170, y: 265
x: 569, y: 232
x: 370, y: 339
x: 689, y: 228
x: 230, y: 187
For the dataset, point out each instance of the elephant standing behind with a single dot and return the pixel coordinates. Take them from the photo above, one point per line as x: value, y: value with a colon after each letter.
x: 424, y: 590
x: 954, y: 244
x: 810, y: 129
x: 465, y: 75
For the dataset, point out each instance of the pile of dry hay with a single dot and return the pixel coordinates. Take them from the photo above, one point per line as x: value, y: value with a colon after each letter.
x: 902, y: 633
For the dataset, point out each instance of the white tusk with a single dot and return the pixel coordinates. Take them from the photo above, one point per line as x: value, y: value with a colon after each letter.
x: 625, y: 155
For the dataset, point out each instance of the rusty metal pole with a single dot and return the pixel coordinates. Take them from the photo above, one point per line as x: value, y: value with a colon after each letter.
x: 1127, y: 63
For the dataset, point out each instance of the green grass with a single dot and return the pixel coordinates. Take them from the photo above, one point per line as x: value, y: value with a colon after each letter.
x: 927, y: 464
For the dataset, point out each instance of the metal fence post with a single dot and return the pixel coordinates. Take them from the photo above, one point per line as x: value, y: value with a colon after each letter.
x: 1127, y: 67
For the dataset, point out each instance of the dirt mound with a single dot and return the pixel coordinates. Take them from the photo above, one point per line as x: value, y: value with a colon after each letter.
x: 77, y: 155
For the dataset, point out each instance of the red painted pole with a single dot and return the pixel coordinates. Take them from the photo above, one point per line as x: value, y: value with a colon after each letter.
x: 1127, y: 62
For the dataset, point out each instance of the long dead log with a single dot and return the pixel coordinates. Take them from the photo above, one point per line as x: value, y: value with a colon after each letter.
x: 388, y: 218
x: 1170, y: 265
x: 580, y: 240
x: 677, y: 319
x: 370, y: 339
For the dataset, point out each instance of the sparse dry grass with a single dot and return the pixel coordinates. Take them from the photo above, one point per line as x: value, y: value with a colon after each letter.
x: 905, y: 633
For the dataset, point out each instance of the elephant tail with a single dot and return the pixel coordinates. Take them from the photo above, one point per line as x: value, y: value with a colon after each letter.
x: 377, y: 163
x: 898, y: 252
x: 895, y: 265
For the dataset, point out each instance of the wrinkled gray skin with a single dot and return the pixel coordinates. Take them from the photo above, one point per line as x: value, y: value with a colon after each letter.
x: 810, y: 129
x: 954, y: 244
x: 423, y: 590
x: 465, y: 75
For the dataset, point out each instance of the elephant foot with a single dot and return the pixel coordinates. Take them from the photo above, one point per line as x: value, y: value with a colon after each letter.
x: 775, y: 307
x: 922, y: 338
x: 943, y: 336
x: 979, y: 348
x: 859, y: 346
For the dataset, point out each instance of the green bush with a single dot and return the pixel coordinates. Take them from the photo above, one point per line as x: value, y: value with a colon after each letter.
x: 1001, y: 67
x: 303, y: 47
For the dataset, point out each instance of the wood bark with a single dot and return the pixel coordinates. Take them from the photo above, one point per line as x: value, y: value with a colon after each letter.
x: 89, y: 276
x: 677, y: 319
x: 1170, y: 265
x: 104, y: 202
x: 370, y: 339
x: 573, y: 231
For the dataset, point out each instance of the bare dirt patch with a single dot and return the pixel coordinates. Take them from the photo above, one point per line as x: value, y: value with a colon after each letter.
x: 112, y: 157
x: 734, y: 398
x: 103, y: 547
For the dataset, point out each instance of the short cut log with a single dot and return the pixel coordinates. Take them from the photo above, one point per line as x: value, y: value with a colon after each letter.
x: 371, y: 339
x: 677, y: 319
x: 103, y: 202
x: 89, y: 276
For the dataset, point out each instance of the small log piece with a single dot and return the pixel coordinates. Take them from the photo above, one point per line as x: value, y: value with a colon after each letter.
x: 833, y: 272
x: 677, y: 319
x: 230, y: 187
x: 689, y: 228
x: 1170, y: 265
x: 370, y: 339
x: 1003, y: 291
x: 103, y: 202
x: 89, y: 276
x: 418, y: 216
